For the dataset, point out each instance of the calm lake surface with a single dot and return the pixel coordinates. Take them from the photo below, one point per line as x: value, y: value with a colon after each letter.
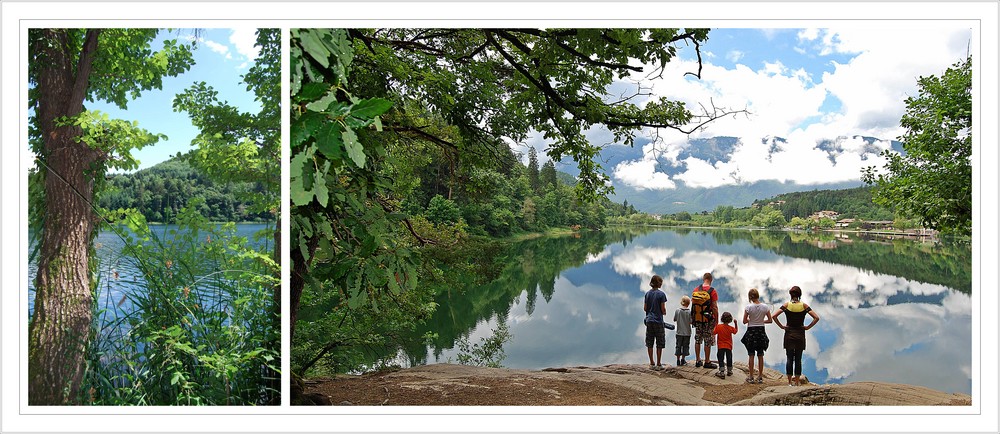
x: 892, y: 310
x: 114, y: 258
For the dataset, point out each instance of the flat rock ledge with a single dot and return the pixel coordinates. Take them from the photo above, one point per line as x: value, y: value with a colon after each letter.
x: 610, y: 385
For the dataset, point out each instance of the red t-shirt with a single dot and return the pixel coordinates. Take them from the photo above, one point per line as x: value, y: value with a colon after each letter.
x: 725, y: 333
x: 713, y: 294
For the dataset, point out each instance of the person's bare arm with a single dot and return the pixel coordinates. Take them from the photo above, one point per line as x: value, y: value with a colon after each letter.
x: 815, y: 317
x: 746, y: 317
x: 775, y: 316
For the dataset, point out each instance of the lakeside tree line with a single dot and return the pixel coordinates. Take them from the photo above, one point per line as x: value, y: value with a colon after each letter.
x: 784, y: 210
x: 499, y: 201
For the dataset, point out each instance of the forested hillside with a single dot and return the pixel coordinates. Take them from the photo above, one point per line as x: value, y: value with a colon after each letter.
x: 159, y: 192
x: 499, y: 200
x: 850, y: 203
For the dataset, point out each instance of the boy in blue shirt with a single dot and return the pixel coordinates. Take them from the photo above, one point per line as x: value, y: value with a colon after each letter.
x: 654, y: 304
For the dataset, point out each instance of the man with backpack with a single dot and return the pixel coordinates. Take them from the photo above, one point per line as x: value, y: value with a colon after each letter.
x: 704, y: 316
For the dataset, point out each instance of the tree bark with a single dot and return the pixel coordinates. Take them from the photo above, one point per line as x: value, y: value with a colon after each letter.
x: 60, y: 329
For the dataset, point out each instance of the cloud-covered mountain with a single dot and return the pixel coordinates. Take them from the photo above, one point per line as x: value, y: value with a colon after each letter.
x: 702, y: 173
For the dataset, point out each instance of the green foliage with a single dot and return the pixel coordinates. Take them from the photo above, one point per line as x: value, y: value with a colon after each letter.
x: 547, y: 176
x: 489, y: 351
x: 125, y: 67
x: 351, y: 264
x: 443, y: 211
x: 932, y: 180
x: 799, y: 222
x: 240, y: 147
x: 533, y: 176
x: 199, y: 331
x: 504, y: 83
x: 159, y: 192
x: 850, y: 203
x: 769, y: 218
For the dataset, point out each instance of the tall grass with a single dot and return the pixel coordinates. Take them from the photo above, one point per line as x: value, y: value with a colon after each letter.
x: 200, y: 327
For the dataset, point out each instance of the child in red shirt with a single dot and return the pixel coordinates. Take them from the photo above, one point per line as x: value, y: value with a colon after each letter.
x: 725, y: 333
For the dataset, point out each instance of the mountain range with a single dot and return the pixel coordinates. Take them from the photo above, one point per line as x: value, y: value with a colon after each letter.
x: 712, y: 150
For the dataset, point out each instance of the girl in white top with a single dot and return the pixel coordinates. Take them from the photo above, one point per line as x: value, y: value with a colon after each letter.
x: 755, y: 339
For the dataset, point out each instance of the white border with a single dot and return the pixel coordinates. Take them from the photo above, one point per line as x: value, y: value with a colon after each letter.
x: 17, y: 416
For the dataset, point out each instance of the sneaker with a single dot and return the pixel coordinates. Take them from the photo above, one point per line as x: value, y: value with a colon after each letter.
x: 729, y: 372
x: 697, y: 364
x: 760, y: 380
x: 658, y: 368
x: 749, y: 380
x: 709, y: 365
x: 720, y: 374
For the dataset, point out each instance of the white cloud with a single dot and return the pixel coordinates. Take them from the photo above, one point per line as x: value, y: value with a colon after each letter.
x: 243, y: 40
x: 871, y: 88
x: 218, y: 48
x: 808, y: 34
x: 734, y: 56
x: 591, y: 258
x: 642, y: 175
x: 639, y: 261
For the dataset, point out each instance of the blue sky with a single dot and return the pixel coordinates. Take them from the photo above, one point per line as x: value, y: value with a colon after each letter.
x: 222, y: 56
x: 805, y: 85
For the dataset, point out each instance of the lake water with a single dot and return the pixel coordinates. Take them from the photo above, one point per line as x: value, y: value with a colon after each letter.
x: 114, y: 258
x: 892, y: 310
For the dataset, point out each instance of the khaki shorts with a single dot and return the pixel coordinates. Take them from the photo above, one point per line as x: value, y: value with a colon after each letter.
x: 703, y: 333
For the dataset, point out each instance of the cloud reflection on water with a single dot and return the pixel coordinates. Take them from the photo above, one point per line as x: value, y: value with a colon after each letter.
x: 861, y: 336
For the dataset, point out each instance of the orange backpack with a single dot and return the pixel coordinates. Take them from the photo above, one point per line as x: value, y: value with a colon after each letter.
x: 701, y: 304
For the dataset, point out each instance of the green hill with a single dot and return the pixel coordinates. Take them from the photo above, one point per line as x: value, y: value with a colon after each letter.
x: 850, y: 203
x: 159, y: 192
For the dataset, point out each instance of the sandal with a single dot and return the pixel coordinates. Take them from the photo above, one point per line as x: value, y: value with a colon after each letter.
x: 760, y: 380
x: 750, y: 380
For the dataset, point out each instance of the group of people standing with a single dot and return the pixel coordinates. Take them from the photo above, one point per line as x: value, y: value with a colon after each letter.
x: 700, y: 312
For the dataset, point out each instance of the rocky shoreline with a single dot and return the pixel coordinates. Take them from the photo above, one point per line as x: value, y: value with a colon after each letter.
x: 610, y: 385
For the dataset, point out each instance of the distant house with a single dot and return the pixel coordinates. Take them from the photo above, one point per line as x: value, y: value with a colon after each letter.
x: 843, y: 223
x: 776, y: 204
x: 832, y: 215
x: 877, y: 224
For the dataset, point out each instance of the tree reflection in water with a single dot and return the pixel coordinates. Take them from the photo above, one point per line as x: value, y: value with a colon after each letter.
x: 896, y: 311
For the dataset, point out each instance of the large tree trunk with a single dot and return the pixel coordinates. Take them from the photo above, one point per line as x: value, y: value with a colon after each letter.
x: 60, y: 328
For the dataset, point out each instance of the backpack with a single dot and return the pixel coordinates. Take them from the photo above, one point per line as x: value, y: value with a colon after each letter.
x: 701, y: 304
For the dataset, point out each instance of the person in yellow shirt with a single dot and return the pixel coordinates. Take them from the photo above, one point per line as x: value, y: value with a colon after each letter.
x: 795, y: 332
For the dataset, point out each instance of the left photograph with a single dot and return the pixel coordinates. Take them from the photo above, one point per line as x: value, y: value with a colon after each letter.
x: 154, y: 230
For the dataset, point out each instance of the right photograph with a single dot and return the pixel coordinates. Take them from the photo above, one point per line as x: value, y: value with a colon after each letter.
x: 633, y: 216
